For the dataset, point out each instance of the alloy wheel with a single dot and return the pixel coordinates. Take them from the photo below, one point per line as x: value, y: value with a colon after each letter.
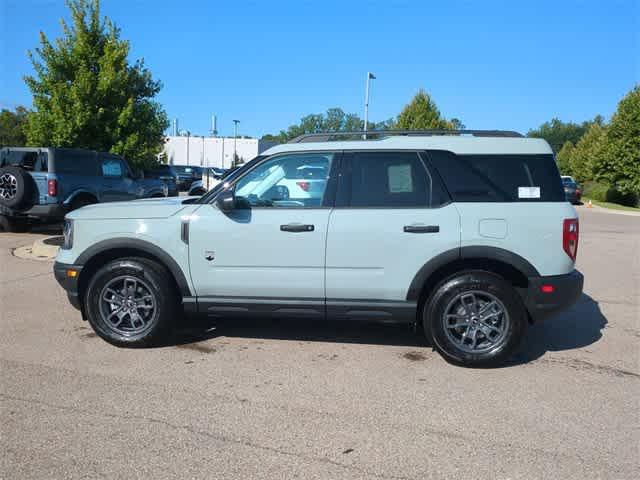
x: 127, y: 305
x: 476, y: 321
x: 8, y: 186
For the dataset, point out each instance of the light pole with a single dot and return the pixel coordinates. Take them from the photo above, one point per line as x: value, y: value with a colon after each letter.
x: 235, y: 139
x: 370, y: 76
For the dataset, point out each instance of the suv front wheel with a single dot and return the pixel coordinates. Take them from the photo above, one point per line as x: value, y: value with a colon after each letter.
x: 130, y: 302
x: 475, y: 318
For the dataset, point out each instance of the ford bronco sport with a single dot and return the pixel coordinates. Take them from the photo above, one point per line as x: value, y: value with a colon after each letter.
x: 465, y: 234
x: 45, y: 183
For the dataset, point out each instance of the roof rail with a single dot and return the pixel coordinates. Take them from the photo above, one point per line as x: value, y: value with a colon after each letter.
x: 379, y: 134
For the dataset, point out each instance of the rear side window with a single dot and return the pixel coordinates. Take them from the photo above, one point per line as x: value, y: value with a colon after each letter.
x: 112, y: 167
x: 386, y: 180
x: 29, y: 160
x: 499, y: 178
x: 76, y: 163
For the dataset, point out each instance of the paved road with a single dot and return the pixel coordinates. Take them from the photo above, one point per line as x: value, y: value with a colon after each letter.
x: 291, y: 400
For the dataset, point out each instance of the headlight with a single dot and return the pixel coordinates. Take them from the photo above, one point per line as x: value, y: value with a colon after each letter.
x: 68, y: 235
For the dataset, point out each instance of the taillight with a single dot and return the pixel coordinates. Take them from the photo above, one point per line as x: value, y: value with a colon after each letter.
x: 570, y: 233
x: 303, y: 185
x: 52, y: 188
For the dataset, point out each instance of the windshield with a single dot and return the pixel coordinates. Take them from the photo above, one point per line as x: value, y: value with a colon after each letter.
x: 228, y: 179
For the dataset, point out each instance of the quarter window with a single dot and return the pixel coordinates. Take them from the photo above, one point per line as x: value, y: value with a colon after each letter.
x: 499, y: 178
x: 295, y: 180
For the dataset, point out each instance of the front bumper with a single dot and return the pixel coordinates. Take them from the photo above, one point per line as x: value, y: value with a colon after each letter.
x: 69, y: 283
x: 566, y: 289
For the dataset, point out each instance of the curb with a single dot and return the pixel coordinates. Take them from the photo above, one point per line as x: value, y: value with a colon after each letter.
x: 598, y: 208
x: 44, y: 249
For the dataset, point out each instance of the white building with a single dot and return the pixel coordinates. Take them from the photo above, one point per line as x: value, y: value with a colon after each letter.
x: 211, y: 151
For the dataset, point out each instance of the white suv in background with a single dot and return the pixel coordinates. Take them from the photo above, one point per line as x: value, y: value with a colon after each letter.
x: 465, y: 234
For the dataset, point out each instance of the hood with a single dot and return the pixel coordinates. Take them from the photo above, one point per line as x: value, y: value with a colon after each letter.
x: 146, y: 208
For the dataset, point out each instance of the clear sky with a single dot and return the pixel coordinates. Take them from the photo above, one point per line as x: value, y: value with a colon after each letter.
x: 508, y: 65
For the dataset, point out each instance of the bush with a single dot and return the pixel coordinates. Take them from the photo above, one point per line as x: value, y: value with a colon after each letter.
x: 595, y: 191
x: 604, y: 193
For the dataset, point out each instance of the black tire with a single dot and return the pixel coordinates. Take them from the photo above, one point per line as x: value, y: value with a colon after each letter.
x: 151, y: 277
x: 456, y: 292
x: 82, y: 201
x: 13, y: 225
x: 16, y: 187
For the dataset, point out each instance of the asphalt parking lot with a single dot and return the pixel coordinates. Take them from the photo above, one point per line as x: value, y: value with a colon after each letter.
x: 308, y: 400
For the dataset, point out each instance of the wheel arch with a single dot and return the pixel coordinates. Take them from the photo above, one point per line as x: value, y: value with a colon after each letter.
x: 510, y: 266
x: 103, y: 252
x: 80, y: 194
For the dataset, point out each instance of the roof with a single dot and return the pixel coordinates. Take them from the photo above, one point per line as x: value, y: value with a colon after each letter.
x: 460, y: 144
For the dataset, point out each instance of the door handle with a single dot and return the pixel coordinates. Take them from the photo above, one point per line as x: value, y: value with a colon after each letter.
x: 421, y: 228
x: 296, y: 227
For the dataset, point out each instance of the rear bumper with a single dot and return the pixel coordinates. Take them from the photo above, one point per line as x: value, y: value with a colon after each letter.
x: 566, y: 291
x: 70, y: 284
x: 51, y: 211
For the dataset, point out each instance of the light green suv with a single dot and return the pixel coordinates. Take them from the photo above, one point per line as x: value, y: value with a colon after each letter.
x: 466, y: 234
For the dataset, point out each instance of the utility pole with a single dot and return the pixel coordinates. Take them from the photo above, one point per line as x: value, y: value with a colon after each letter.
x: 235, y: 139
x: 370, y: 76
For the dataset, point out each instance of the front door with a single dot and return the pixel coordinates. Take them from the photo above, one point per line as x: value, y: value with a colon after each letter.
x: 267, y: 255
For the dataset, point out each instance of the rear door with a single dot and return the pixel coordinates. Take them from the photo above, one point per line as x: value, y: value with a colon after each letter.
x: 391, y: 217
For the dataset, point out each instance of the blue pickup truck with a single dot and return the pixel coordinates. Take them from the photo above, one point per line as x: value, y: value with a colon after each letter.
x: 43, y: 184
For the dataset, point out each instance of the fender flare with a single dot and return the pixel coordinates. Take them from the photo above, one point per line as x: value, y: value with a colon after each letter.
x: 144, y: 246
x: 480, y: 252
x: 80, y: 191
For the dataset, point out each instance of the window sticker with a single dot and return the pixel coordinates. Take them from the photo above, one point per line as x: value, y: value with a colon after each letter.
x: 400, y: 180
x: 528, y: 192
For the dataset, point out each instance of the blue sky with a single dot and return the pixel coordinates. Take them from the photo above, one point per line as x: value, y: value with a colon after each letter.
x: 508, y: 65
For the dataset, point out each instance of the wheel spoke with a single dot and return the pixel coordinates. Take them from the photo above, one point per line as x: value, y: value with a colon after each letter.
x: 127, y: 304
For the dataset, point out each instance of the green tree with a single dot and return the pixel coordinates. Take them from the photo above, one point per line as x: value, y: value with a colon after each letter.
x: 422, y: 114
x: 87, y: 95
x: 563, y: 158
x: 557, y: 132
x: 587, y: 153
x: 13, y: 126
x: 619, y: 163
x: 334, y: 120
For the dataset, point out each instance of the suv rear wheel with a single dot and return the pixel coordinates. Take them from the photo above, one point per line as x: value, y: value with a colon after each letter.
x: 475, y: 318
x: 130, y: 302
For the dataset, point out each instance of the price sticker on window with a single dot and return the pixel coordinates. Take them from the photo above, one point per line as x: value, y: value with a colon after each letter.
x: 528, y: 192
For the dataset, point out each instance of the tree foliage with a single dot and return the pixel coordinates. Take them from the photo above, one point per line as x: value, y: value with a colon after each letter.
x: 563, y: 158
x: 13, y: 127
x: 86, y: 94
x: 334, y: 120
x: 557, y: 133
x: 423, y: 114
x: 619, y: 163
x: 587, y: 153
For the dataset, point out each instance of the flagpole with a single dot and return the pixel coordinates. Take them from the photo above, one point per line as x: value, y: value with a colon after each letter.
x: 366, y: 106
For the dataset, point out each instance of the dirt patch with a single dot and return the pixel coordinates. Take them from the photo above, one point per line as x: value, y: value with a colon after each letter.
x: 196, y: 347
x: 414, y: 356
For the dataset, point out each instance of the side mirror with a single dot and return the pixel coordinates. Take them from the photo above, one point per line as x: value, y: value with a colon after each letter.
x: 226, y: 200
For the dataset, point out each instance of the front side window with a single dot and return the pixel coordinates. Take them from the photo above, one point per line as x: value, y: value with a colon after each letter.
x: 385, y: 179
x: 290, y: 180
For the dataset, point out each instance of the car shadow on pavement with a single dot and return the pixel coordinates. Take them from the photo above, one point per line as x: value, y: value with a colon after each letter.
x: 199, y: 329
x: 578, y: 327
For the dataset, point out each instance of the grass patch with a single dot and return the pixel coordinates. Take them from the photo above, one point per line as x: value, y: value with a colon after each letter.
x: 613, y: 206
